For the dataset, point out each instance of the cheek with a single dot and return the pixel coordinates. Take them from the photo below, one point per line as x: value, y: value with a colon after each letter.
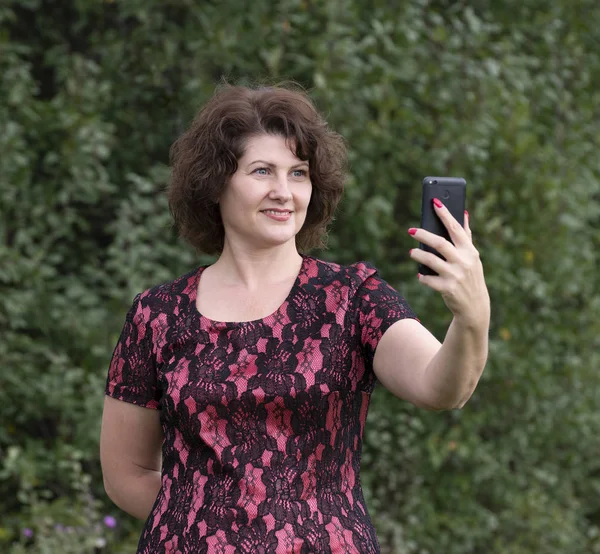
x: 241, y: 199
x: 307, y: 194
x: 309, y: 205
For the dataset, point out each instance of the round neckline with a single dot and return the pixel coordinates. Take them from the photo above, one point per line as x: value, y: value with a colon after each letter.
x: 231, y: 324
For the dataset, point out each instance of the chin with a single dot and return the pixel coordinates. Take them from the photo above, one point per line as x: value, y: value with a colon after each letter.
x: 278, y: 239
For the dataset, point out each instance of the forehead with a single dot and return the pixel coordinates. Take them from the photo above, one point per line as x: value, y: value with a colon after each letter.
x: 271, y: 148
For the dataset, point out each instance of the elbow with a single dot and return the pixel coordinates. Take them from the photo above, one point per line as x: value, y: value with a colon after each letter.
x: 112, y: 490
x: 463, y: 401
x: 109, y: 489
x: 114, y: 495
x: 447, y: 403
x: 436, y: 405
x: 460, y: 402
x: 443, y: 407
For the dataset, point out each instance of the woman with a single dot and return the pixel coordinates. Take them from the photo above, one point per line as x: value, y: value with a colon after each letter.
x: 237, y: 394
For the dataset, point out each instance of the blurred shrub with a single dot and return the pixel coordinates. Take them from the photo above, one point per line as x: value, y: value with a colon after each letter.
x: 503, y: 93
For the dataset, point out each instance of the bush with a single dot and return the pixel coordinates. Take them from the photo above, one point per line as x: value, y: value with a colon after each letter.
x: 503, y: 94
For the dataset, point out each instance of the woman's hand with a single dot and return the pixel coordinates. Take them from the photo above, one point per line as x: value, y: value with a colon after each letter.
x: 459, y: 278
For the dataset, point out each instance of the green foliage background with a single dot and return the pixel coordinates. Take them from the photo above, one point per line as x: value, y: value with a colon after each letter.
x: 504, y: 93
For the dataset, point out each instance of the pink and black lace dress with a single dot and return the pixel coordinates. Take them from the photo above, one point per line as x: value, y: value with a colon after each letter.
x: 262, y: 420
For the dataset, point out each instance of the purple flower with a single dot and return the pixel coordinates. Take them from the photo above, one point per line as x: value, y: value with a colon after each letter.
x: 59, y: 528
x: 110, y: 522
x: 27, y: 532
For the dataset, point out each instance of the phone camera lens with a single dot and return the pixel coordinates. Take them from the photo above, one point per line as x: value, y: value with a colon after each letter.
x: 435, y: 182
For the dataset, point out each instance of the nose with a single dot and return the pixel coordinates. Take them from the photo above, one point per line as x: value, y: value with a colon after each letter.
x: 281, y: 189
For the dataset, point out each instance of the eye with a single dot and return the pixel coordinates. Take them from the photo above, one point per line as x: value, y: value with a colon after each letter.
x: 300, y: 173
x: 261, y: 171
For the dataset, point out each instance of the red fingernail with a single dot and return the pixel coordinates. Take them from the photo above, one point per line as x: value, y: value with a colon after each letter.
x: 412, y: 231
x: 466, y: 213
x: 437, y: 203
x: 419, y: 276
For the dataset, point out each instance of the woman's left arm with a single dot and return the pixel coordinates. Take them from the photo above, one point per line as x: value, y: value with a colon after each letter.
x: 409, y: 360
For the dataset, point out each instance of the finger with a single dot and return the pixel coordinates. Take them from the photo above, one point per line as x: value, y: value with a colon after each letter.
x: 443, y: 246
x: 434, y: 282
x: 432, y: 261
x: 467, y: 225
x: 455, y: 230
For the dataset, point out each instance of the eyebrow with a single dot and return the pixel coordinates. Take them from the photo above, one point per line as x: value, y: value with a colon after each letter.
x: 301, y: 164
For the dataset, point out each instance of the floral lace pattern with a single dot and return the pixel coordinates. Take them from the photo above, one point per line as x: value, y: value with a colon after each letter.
x: 262, y: 420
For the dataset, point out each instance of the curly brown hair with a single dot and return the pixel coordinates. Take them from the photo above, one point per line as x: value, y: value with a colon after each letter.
x: 206, y: 156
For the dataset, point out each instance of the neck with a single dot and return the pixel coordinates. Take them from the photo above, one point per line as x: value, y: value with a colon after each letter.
x: 257, y: 267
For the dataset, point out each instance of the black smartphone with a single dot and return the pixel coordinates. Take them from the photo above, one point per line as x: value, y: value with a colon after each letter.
x: 452, y: 191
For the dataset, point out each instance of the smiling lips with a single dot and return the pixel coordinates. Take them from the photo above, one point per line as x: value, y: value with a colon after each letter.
x: 278, y: 215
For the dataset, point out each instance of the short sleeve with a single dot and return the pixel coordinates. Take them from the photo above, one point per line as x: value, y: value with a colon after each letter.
x: 132, y: 371
x: 378, y: 307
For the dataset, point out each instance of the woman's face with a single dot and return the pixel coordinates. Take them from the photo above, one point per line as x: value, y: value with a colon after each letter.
x: 264, y: 203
